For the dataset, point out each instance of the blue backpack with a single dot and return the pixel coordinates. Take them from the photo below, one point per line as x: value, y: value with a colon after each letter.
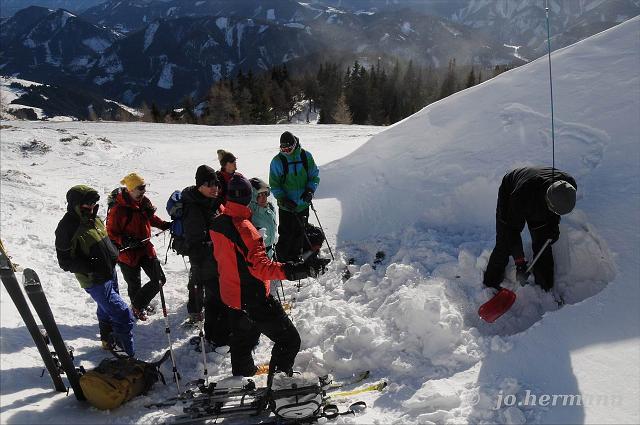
x: 178, y: 242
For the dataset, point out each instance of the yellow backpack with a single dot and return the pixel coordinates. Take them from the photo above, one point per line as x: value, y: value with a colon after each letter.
x: 118, y: 380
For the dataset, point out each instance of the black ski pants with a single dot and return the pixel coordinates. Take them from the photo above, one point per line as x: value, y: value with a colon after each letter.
x: 268, y: 318
x: 141, y: 295
x: 542, y: 270
x: 204, y: 291
x: 291, y: 234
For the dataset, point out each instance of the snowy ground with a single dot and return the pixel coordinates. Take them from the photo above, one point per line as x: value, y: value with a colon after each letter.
x: 423, y: 191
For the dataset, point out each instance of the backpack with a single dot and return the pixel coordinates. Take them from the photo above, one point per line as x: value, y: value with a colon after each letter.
x: 118, y: 380
x: 285, y: 163
x: 314, y: 239
x: 111, y: 202
x: 178, y: 242
x: 296, y: 400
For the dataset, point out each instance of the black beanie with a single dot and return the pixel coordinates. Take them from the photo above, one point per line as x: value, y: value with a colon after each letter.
x: 205, y: 174
x: 561, y: 197
x: 287, y: 140
x: 239, y: 190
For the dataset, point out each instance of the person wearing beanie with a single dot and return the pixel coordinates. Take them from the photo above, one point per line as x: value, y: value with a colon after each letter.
x: 83, y: 247
x: 245, y: 272
x: 228, y: 167
x: 294, y: 178
x: 200, y: 205
x: 129, y: 223
x: 263, y: 214
x: 537, y: 197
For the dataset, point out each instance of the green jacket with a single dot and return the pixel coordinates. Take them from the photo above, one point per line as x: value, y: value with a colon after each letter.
x: 292, y: 184
x: 82, y: 244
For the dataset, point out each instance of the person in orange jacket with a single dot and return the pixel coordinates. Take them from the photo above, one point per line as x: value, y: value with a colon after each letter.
x: 129, y: 223
x: 245, y: 269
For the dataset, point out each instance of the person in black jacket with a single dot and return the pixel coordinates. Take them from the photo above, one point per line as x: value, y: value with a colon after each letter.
x: 537, y: 196
x: 83, y: 247
x: 200, y: 205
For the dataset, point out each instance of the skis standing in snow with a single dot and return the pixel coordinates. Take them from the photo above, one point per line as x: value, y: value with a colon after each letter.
x: 129, y: 224
x: 83, y: 248
x: 537, y: 196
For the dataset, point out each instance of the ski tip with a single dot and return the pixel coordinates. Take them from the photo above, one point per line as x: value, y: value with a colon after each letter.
x: 30, y: 277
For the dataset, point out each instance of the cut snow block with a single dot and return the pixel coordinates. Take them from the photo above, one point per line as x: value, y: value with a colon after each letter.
x: 497, y: 306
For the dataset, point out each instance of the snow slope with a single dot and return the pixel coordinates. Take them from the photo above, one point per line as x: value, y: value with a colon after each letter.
x: 423, y: 191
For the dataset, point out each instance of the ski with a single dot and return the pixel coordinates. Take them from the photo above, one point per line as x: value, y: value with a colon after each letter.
x: 379, y: 386
x: 357, y: 378
x: 33, y: 288
x: 10, y: 282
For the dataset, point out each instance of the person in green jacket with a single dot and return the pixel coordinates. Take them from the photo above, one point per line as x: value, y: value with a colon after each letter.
x: 294, y: 178
x: 83, y: 247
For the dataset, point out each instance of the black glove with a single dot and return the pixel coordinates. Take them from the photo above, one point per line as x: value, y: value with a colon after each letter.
x: 553, y: 233
x: 317, y: 266
x: 521, y: 271
x: 307, y: 195
x: 289, y: 204
x: 130, y: 242
x: 296, y: 271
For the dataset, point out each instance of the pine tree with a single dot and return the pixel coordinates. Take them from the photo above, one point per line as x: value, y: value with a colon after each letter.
x: 448, y: 86
x: 471, y: 79
x: 342, y: 115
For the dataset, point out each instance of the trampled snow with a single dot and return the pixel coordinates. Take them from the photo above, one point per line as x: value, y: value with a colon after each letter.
x: 423, y: 192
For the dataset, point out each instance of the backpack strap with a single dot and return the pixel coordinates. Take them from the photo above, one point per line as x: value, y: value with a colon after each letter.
x: 285, y: 163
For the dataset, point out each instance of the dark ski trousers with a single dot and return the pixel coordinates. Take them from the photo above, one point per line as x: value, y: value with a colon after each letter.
x: 113, y: 310
x: 203, y: 278
x: 268, y: 318
x: 140, y: 296
x: 542, y: 270
x: 291, y: 234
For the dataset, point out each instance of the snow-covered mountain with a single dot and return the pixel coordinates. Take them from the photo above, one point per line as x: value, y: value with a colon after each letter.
x: 169, y: 59
x: 9, y: 7
x: 423, y: 191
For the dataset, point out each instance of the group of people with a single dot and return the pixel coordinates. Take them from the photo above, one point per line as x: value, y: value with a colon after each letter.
x: 229, y: 235
x: 234, y: 245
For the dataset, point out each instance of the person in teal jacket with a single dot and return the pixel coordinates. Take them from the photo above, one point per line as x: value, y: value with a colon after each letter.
x: 263, y: 214
x: 294, y: 178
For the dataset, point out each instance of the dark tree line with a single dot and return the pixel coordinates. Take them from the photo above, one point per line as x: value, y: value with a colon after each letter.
x: 358, y: 94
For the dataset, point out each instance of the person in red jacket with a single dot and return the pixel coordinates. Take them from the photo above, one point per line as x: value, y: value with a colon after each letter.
x: 245, y: 269
x: 129, y: 224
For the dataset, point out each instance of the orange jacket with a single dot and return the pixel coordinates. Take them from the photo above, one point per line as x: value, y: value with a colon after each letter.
x: 243, y: 266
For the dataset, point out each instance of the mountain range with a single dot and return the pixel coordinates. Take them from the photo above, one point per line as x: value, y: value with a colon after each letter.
x: 136, y: 51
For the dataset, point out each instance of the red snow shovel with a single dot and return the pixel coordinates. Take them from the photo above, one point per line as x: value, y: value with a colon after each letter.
x: 501, y: 302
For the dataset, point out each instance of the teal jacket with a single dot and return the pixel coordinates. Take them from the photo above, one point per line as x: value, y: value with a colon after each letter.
x: 264, y: 218
x: 296, y: 181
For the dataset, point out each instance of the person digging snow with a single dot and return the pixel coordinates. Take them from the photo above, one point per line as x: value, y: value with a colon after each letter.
x: 536, y: 196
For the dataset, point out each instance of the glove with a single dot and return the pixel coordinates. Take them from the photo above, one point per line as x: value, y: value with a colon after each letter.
x: 521, y: 271
x: 296, y: 271
x: 289, y: 204
x: 307, y: 196
x: 552, y: 233
x: 130, y: 242
x: 317, y: 266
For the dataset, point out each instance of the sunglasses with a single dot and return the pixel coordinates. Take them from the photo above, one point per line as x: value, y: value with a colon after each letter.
x: 142, y: 187
x: 287, y: 149
x: 267, y: 193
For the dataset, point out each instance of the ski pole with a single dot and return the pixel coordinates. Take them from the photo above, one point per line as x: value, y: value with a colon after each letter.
x: 323, y: 234
x: 167, y: 330
x: 145, y: 240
